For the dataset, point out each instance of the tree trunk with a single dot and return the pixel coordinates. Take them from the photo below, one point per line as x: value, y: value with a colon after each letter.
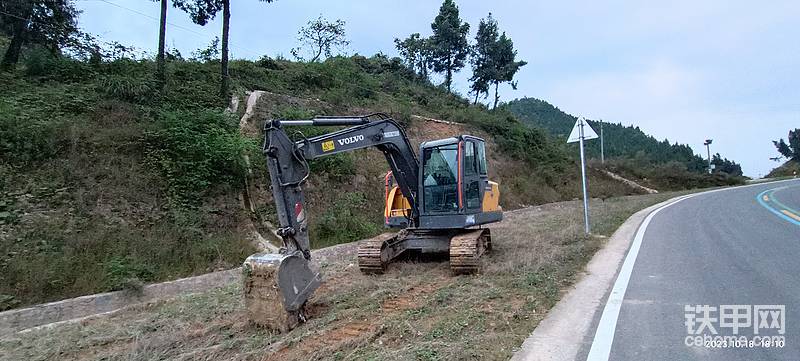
x: 226, y: 22
x: 477, y: 93
x: 449, y: 75
x: 11, y: 56
x: 161, y: 72
x: 496, y: 96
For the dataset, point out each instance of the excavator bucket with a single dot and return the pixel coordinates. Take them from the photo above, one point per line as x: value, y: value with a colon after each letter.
x: 276, y: 288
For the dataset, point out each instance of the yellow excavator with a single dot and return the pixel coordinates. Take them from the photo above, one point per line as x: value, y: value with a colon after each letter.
x: 442, y: 203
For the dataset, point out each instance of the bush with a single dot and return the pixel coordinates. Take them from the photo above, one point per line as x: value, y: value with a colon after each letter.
x: 195, y: 151
x: 345, y: 221
x: 24, y: 139
x: 42, y: 63
x: 132, y: 89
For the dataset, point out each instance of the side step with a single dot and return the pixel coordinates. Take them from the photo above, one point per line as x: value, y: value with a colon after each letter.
x: 464, y: 246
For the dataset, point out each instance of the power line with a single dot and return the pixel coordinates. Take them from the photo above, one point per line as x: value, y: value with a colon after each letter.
x: 177, y: 26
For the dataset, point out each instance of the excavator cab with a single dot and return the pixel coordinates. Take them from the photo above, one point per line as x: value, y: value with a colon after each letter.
x: 455, y: 185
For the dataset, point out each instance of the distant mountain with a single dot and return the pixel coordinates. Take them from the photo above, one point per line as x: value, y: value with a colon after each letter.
x: 619, y: 141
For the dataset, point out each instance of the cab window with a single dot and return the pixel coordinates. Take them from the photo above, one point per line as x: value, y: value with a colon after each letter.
x: 440, y: 178
x: 481, y: 157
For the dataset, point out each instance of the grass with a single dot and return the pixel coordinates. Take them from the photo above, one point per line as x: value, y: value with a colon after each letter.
x: 417, y: 311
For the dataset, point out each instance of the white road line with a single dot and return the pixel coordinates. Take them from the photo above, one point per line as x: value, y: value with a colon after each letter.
x: 604, y: 336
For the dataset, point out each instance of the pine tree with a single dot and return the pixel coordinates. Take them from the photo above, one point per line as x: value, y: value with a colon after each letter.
x: 449, y: 46
x: 790, y: 150
x: 493, y: 60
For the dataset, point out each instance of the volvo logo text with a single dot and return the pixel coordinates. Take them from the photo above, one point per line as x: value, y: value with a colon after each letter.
x: 351, y: 140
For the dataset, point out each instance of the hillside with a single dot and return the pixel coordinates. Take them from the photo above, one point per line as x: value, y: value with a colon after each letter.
x: 619, y: 141
x: 789, y: 169
x: 631, y: 152
x: 108, y: 181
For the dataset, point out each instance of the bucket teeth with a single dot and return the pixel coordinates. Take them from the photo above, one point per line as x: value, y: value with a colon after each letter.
x: 466, y: 250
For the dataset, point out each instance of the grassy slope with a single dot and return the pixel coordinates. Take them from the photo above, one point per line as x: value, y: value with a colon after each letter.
x: 789, y: 169
x: 415, y: 311
x: 108, y: 182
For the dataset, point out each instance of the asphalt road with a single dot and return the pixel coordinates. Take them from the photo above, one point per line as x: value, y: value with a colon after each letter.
x: 733, y: 247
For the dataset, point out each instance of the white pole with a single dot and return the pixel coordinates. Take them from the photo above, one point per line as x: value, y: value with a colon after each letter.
x: 602, y: 150
x: 583, y: 181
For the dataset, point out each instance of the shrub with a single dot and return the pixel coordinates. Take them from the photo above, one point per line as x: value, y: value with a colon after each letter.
x: 345, y: 221
x: 24, y: 139
x: 195, y: 151
x: 132, y: 89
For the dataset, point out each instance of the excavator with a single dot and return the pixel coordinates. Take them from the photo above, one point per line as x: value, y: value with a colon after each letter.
x: 441, y: 204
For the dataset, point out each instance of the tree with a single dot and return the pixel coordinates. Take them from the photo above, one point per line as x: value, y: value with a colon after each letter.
x: 203, y: 11
x: 52, y: 24
x: 726, y: 166
x: 493, y: 60
x: 320, y: 36
x: 484, y: 69
x: 449, y: 46
x: 792, y: 149
x: 416, y: 52
x: 507, y: 65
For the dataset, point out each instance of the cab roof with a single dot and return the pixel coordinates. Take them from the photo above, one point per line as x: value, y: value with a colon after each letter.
x: 448, y: 141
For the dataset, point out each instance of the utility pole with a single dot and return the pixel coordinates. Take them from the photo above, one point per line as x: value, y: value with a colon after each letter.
x: 602, y: 150
x: 708, y: 149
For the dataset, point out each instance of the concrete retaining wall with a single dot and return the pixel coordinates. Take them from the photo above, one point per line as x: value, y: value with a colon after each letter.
x: 79, y: 307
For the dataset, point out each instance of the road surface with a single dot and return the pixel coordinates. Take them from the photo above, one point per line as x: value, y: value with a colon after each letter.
x: 707, y: 262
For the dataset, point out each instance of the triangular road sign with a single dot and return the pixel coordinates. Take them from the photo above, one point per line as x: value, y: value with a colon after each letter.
x: 588, y: 132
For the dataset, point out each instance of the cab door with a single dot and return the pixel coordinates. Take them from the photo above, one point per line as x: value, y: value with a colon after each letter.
x: 473, y: 182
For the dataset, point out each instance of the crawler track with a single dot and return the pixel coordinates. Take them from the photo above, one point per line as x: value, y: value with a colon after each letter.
x: 372, y: 255
x: 466, y: 250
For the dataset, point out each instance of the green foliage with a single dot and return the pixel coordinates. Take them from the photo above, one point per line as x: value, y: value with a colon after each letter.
x: 195, y: 151
x: 344, y: 221
x: 52, y: 24
x: 726, y: 166
x: 493, y: 61
x: 210, y: 53
x: 790, y: 150
x: 320, y: 36
x: 449, y: 46
x: 416, y: 52
x: 23, y: 141
x: 132, y: 89
x: 41, y: 63
x: 121, y: 271
x: 671, y: 175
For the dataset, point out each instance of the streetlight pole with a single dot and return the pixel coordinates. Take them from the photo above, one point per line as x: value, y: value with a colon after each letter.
x: 708, y: 149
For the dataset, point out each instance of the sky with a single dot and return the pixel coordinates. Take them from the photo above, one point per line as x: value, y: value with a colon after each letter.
x: 682, y: 70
